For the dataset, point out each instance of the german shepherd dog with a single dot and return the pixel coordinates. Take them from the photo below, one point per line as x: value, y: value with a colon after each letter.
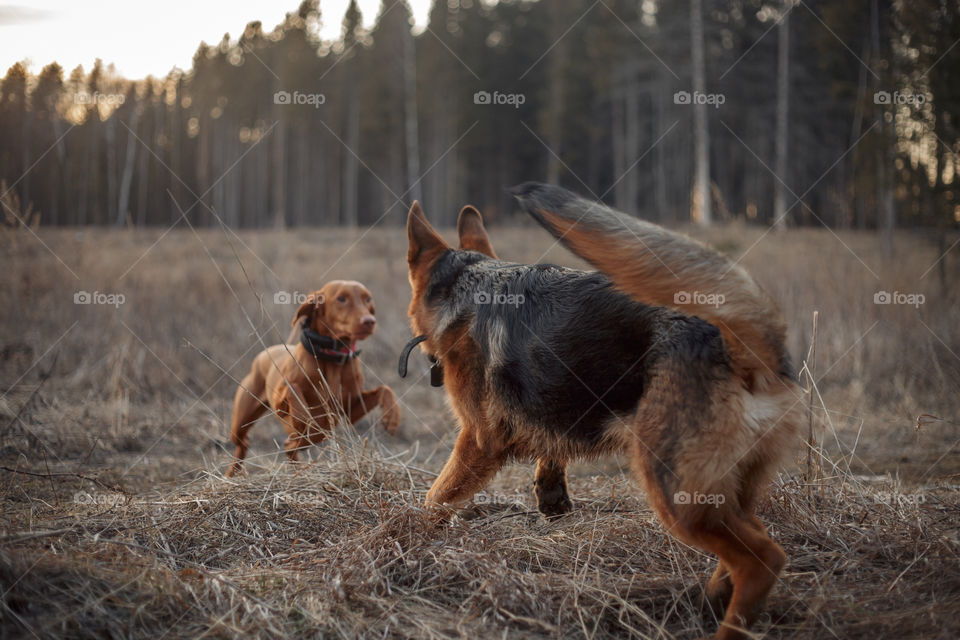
x: 551, y: 364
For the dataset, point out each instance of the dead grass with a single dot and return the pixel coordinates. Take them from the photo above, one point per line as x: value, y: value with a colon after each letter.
x: 341, y: 548
x: 117, y: 521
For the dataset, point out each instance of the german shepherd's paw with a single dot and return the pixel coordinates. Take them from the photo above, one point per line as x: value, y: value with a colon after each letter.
x: 716, y: 597
x: 553, y: 502
x: 440, y: 515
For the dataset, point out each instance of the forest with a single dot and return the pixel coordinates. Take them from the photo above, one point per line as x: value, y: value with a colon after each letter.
x: 799, y: 113
x: 159, y: 234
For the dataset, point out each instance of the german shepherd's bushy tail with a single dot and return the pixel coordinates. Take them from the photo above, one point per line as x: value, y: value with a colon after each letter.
x: 661, y: 267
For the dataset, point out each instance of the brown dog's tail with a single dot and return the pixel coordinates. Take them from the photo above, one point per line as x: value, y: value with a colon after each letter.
x: 661, y: 267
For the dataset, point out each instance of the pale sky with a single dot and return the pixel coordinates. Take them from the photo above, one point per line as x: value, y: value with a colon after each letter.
x: 143, y: 38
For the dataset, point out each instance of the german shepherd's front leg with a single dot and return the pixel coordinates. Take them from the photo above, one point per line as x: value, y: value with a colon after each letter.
x: 550, y: 487
x: 467, y: 471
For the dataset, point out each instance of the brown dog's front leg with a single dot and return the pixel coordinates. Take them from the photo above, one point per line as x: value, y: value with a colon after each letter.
x: 550, y: 487
x: 467, y: 471
x: 382, y: 397
x: 302, y: 426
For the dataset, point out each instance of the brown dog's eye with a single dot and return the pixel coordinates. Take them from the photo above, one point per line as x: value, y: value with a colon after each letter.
x: 341, y: 298
x: 368, y: 300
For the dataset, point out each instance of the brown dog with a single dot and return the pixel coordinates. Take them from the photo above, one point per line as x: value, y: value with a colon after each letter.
x: 310, y: 386
x: 552, y: 364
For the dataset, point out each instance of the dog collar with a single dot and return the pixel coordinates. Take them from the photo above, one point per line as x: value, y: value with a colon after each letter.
x: 326, y: 348
x: 436, y: 369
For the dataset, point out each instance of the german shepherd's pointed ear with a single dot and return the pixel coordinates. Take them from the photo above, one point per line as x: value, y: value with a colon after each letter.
x: 424, y: 240
x: 473, y: 237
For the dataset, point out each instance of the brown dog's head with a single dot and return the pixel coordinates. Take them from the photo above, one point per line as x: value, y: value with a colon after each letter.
x: 342, y: 309
x: 426, y: 247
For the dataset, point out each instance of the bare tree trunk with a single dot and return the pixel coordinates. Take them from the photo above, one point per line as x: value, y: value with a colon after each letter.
x: 111, y: 168
x: 619, y: 154
x: 350, y: 166
x: 278, y: 190
x: 125, y: 181
x: 203, y: 157
x: 175, y: 131
x: 556, y: 85
x: 632, y: 143
x: 661, y: 186
x: 61, y: 167
x: 783, y: 89
x: 143, y: 177
x: 411, y: 130
x: 91, y: 158
x: 219, y: 166
x: 700, y: 211
x: 334, y: 189
x: 848, y: 169
x: 303, y: 183
x: 887, y: 212
x: 438, y: 134
x: 554, y: 127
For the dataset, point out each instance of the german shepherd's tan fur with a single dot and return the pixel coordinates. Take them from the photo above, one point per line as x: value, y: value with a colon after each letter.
x: 699, y: 396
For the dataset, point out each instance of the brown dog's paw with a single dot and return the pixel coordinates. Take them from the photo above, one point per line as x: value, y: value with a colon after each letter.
x: 391, y: 412
x: 391, y: 422
x: 236, y: 469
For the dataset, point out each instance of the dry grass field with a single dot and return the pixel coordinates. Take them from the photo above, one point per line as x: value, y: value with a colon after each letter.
x: 118, y: 521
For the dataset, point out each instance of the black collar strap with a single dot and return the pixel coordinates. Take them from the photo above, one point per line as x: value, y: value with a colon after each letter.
x: 436, y: 369
x: 326, y: 348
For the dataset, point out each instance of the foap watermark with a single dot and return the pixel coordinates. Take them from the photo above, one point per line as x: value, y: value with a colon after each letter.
x: 886, y: 97
x: 296, y: 97
x: 685, y: 497
x: 296, y: 497
x: 486, y: 297
x: 512, y: 99
x: 296, y: 297
x: 698, y: 97
x: 696, y: 297
x: 99, y: 297
x: 912, y: 299
x: 890, y: 498
x: 99, y: 498
x: 112, y: 99
x: 499, y: 499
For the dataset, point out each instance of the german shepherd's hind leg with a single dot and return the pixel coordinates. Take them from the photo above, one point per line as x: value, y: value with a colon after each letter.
x: 467, y: 471
x: 755, y: 563
x: 749, y: 561
x: 248, y: 406
x: 550, y: 487
x: 719, y: 588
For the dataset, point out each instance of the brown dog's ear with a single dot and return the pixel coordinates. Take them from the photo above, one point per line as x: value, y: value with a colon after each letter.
x: 473, y: 237
x: 423, y: 238
x: 313, y: 304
